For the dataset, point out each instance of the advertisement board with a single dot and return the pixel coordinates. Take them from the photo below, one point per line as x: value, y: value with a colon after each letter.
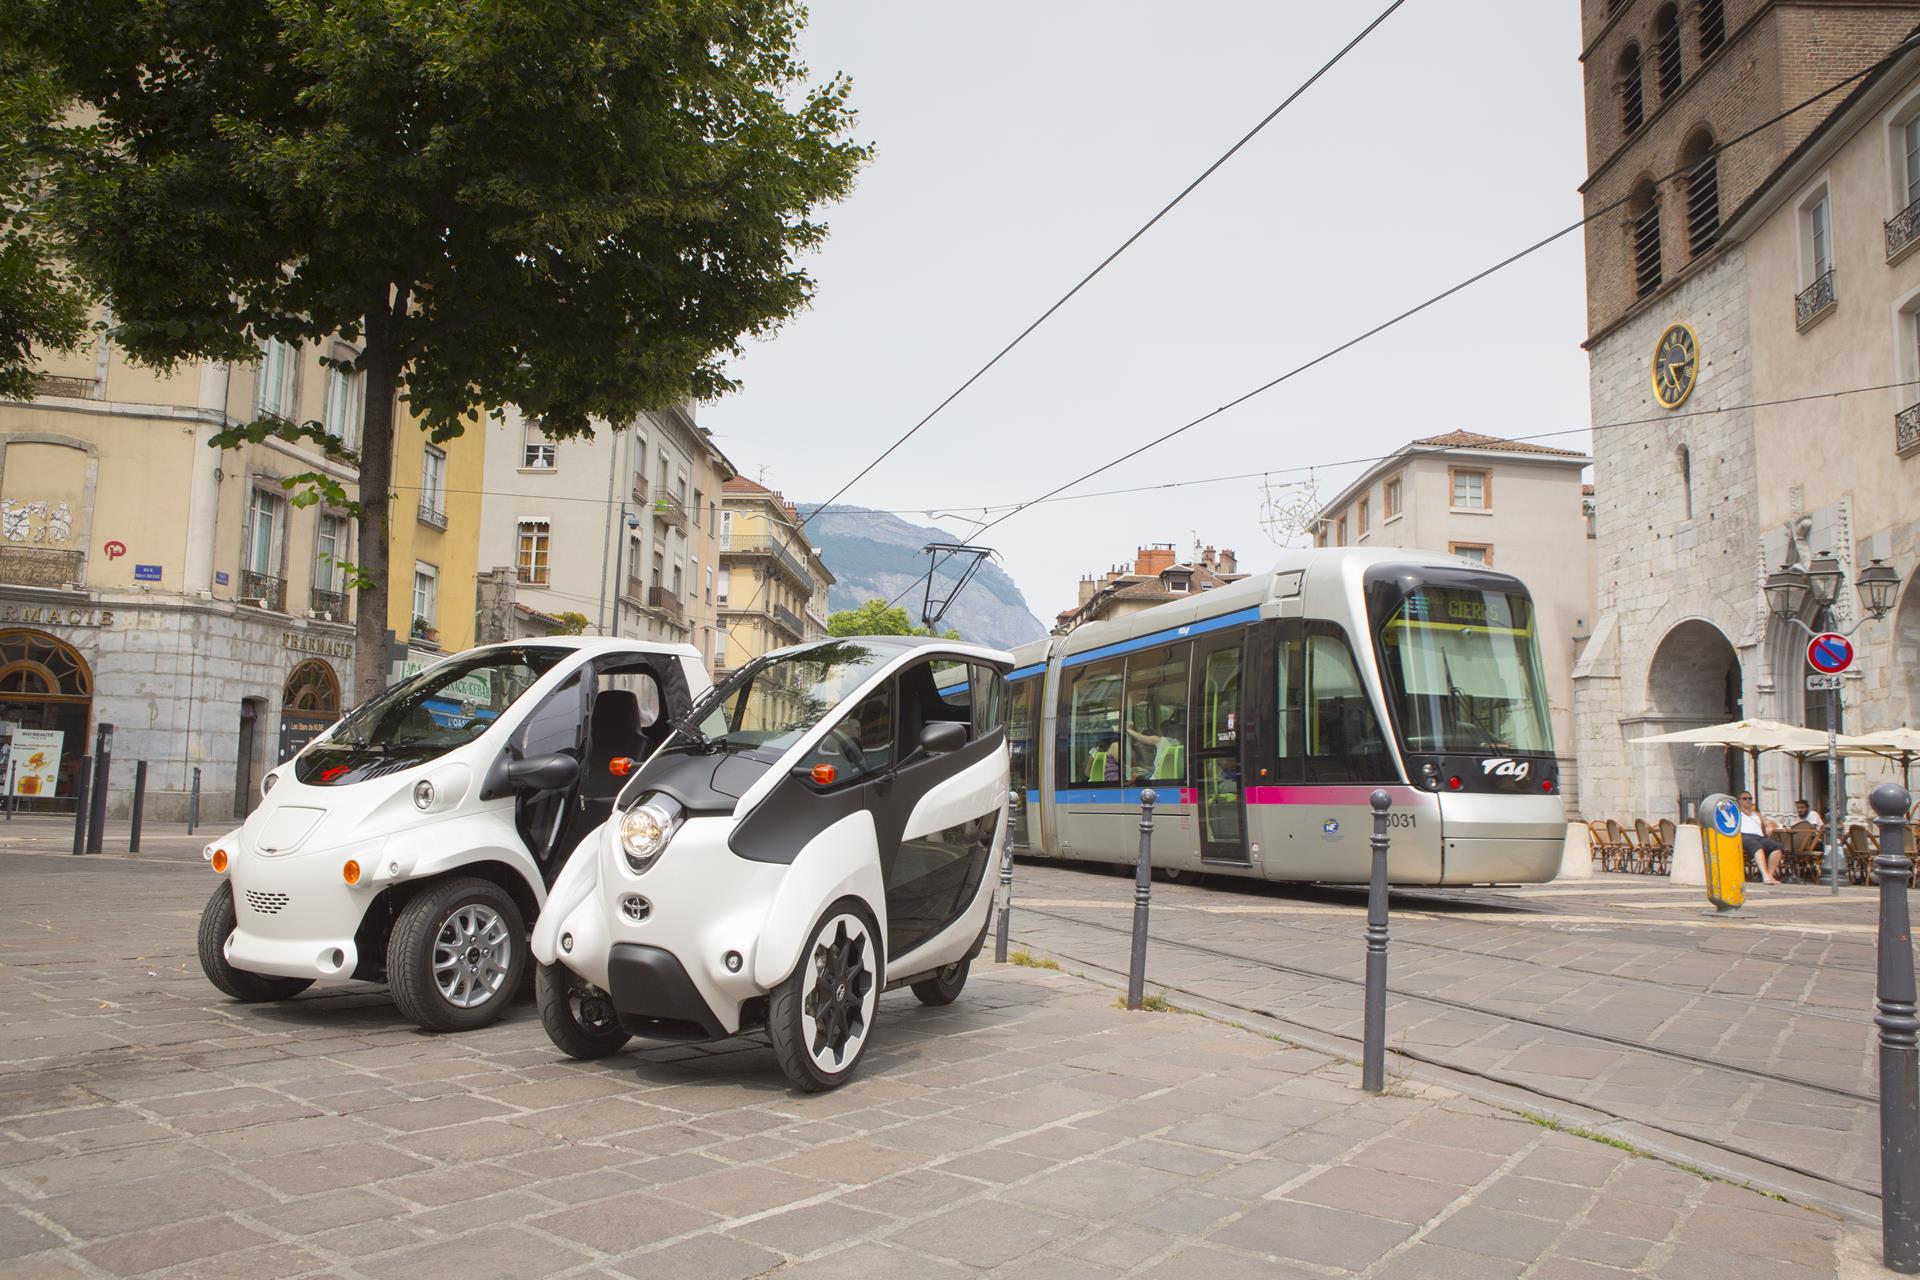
x: 35, y: 762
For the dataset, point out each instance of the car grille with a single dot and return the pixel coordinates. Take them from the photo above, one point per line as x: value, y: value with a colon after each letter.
x: 267, y: 904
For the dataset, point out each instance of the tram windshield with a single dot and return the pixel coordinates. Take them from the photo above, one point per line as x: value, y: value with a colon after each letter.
x: 1462, y: 669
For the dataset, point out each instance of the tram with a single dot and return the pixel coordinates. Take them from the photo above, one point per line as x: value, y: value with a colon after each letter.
x: 1265, y: 713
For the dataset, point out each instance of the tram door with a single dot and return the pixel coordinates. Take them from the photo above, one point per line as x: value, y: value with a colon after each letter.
x: 1216, y: 752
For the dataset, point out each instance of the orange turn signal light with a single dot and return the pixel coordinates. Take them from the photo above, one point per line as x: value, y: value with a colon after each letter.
x: 220, y: 861
x: 351, y: 872
x: 824, y: 774
x: 620, y: 766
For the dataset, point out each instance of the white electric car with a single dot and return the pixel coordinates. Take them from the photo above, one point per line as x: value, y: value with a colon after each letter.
x: 824, y: 826
x: 414, y: 841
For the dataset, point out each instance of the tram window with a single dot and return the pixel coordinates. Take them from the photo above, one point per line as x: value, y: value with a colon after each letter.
x: 1090, y: 736
x: 1340, y: 733
x: 987, y: 700
x: 1156, y: 723
x: 1020, y: 731
x: 955, y: 689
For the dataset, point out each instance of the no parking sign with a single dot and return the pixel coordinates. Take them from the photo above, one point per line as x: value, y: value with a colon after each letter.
x: 1830, y: 653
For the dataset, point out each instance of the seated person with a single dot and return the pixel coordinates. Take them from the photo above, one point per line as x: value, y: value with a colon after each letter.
x: 1757, y: 838
x: 1804, y: 812
x: 1167, y: 764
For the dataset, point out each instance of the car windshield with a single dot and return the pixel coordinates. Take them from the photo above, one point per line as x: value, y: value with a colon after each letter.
x: 447, y: 705
x: 1462, y: 668
x: 770, y: 704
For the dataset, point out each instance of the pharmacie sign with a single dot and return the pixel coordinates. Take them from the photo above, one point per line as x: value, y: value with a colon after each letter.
x: 36, y: 615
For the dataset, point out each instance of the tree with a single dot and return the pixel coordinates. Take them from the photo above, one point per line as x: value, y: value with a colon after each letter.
x: 877, y: 618
x: 577, y: 209
x: 41, y: 307
x: 571, y: 624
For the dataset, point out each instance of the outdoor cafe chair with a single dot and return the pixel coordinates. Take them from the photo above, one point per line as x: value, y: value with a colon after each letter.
x: 1653, y: 846
x: 1859, y: 852
x: 1626, y: 853
x: 1803, y: 850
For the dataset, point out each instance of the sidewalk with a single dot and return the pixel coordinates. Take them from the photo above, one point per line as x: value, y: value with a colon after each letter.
x: 1031, y: 1130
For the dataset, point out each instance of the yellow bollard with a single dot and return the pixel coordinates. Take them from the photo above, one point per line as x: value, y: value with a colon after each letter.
x: 1725, y: 856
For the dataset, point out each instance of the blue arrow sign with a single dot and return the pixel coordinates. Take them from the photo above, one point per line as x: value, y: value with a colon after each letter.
x: 1726, y: 818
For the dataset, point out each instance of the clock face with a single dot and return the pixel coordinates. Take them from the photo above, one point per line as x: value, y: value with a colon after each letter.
x: 1676, y: 363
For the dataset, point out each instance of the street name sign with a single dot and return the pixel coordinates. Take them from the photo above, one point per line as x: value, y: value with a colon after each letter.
x: 1818, y: 681
x: 1830, y: 653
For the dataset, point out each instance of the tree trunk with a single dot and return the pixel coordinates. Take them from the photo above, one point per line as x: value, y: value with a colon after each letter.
x: 380, y: 368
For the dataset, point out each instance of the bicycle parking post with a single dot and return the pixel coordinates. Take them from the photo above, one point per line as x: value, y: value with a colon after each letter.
x: 139, y: 804
x: 1006, y: 885
x: 81, y: 777
x: 1373, y: 1061
x: 1142, y: 895
x: 1899, y: 1031
x: 102, y: 770
x: 193, y: 802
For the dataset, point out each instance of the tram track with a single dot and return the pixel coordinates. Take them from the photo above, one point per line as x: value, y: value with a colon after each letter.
x: 1492, y: 1077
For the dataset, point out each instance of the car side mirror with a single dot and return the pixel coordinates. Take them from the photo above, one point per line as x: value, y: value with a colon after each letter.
x: 555, y: 771
x: 943, y: 737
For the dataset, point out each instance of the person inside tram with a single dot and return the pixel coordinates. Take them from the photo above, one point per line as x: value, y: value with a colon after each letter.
x: 1757, y: 837
x: 1167, y: 759
x: 1104, y: 764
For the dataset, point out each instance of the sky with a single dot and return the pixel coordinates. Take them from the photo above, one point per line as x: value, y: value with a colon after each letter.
x: 1017, y: 144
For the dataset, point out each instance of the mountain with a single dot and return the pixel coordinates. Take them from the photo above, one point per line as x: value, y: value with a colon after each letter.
x: 878, y: 556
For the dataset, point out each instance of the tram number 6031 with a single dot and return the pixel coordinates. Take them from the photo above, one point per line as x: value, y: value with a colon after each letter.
x: 1402, y: 819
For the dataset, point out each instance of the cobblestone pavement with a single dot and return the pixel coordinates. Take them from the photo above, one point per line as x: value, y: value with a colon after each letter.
x: 1751, y: 1036
x: 147, y: 1126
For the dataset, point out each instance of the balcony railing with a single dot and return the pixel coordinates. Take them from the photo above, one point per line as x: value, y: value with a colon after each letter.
x: 795, y: 567
x: 1906, y: 431
x: 640, y: 489
x: 1815, y: 300
x: 636, y: 590
x: 669, y: 510
x: 430, y: 514
x: 269, y: 591
x: 1903, y: 229
x: 665, y: 601
x: 38, y: 566
x: 790, y: 620
x: 54, y: 384
x: 331, y: 603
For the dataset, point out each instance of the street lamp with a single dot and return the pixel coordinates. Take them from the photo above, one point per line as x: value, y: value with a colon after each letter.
x: 1787, y: 590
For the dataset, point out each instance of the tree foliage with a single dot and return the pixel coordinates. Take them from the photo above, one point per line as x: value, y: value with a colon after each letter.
x: 571, y: 624
x: 877, y: 618
x: 42, y: 308
x: 578, y: 209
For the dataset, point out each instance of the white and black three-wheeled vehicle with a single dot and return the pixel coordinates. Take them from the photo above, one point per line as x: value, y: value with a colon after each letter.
x: 824, y: 826
x: 415, y: 840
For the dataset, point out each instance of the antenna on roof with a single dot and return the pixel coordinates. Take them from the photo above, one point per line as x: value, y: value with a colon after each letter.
x: 964, y: 560
x: 1289, y: 510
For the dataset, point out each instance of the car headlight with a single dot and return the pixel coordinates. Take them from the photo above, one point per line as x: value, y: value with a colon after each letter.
x: 423, y: 794
x: 646, y: 829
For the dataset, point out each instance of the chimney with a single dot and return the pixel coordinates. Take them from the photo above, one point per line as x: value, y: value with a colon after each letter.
x: 1206, y: 558
x: 1148, y: 562
x: 1226, y: 562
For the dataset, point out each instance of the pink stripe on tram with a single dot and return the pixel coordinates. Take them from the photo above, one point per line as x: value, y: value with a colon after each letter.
x: 1351, y: 795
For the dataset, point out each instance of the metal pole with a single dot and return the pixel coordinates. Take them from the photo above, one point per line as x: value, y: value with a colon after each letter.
x: 1142, y: 895
x: 1834, y: 843
x: 619, y: 553
x: 1006, y: 884
x: 102, y: 766
x: 193, y: 802
x: 1373, y: 1061
x: 1899, y: 1028
x: 139, y: 804
x: 81, y: 777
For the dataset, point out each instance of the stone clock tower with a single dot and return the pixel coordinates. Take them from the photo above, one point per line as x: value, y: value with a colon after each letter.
x: 1678, y: 610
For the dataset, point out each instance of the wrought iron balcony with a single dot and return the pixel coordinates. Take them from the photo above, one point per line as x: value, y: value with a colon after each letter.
x: 669, y: 510
x: 636, y: 590
x: 1903, y: 230
x: 54, y: 384
x: 38, y: 566
x: 663, y: 600
x: 331, y: 603
x: 430, y: 514
x: 271, y: 592
x: 1906, y: 431
x: 788, y: 619
x: 796, y: 568
x: 1815, y: 300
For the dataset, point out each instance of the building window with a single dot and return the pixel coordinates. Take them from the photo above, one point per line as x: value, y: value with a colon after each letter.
x: 266, y: 528
x: 1590, y: 512
x: 426, y: 601
x: 1478, y: 552
x: 1666, y: 50
x: 1702, y: 183
x: 1633, y: 95
x: 1363, y: 516
x: 721, y: 588
x: 1471, y: 489
x: 1910, y: 150
x: 680, y: 487
x: 276, y: 385
x: 1711, y: 17
x: 1816, y: 218
x: 329, y: 550
x: 709, y: 584
x: 344, y: 410
x: 433, y: 486
x: 699, y: 501
x: 1643, y: 222
x: 533, y: 549
x: 1340, y: 532
x: 1393, y: 498
x: 537, y: 453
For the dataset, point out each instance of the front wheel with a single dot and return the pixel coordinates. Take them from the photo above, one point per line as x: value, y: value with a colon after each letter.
x: 457, y: 954
x: 821, y: 1017
x: 943, y: 986
x: 217, y: 923
x: 578, y: 1016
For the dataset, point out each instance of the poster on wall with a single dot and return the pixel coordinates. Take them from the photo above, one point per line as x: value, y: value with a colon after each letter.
x: 36, y: 761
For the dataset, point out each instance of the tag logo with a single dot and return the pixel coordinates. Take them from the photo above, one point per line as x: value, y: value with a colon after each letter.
x: 1330, y: 829
x: 1501, y: 767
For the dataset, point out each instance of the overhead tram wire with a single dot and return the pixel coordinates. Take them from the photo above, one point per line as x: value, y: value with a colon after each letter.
x: 1107, y: 261
x: 1899, y: 50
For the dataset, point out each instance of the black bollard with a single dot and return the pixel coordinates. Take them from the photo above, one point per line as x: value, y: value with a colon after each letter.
x: 139, y: 804
x: 1142, y: 895
x: 1006, y: 884
x: 1373, y: 1062
x: 1899, y: 1029
x: 81, y: 776
x: 102, y: 769
x: 193, y: 802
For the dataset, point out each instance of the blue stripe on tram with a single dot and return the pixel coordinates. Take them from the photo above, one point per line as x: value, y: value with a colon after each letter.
x: 1171, y: 635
